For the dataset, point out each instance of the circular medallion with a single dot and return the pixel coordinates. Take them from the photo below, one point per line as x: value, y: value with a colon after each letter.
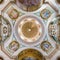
x: 14, y: 46
x: 54, y: 29
x: 13, y: 13
x: 29, y: 29
x: 46, y: 46
x: 45, y: 14
x: 30, y: 54
x: 29, y: 5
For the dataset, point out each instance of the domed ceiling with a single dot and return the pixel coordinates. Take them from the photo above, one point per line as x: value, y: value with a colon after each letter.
x: 29, y: 29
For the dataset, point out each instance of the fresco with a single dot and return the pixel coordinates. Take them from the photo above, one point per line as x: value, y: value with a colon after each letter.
x: 29, y: 29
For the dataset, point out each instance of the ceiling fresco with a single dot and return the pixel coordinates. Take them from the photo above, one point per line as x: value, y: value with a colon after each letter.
x: 29, y: 29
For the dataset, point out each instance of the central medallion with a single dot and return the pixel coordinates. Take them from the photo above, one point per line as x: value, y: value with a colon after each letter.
x: 29, y: 29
